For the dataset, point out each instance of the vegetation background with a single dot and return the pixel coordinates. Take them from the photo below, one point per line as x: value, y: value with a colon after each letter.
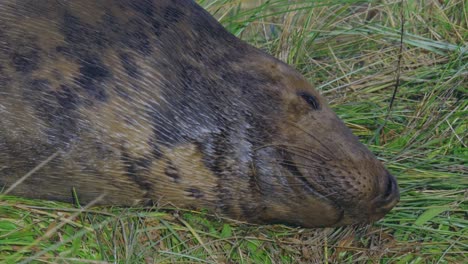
x: 351, y: 51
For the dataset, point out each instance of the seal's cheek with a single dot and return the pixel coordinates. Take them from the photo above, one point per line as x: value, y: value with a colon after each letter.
x: 287, y: 197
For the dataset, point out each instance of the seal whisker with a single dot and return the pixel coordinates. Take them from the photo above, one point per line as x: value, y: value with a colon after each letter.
x: 312, y: 136
x: 309, y: 155
x: 303, y: 166
x: 306, y: 151
x: 305, y: 155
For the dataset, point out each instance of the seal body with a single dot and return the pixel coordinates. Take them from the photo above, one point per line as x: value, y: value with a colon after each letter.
x: 142, y: 102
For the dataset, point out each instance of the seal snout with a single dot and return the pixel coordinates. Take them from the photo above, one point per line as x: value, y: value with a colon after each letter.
x: 389, y: 196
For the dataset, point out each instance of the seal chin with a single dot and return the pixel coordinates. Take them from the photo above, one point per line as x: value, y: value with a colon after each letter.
x: 314, y: 213
x: 339, y: 219
x: 326, y: 214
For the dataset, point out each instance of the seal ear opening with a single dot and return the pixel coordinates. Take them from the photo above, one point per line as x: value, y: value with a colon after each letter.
x: 311, y: 100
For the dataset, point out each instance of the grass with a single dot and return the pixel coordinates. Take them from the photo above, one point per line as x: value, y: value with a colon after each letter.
x: 349, y: 50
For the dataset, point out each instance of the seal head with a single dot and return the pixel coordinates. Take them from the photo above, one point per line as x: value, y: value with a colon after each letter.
x: 307, y: 168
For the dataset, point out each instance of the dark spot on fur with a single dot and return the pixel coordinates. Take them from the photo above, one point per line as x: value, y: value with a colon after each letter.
x: 144, y: 163
x: 172, y: 172
x: 249, y: 210
x: 156, y: 26
x: 129, y: 64
x: 129, y: 165
x: 93, y: 73
x: 92, y: 76
x: 136, y: 37
x: 62, y: 49
x: 225, y: 199
x: 66, y: 98
x: 137, y: 170
x: 25, y: 60
x: 157, y: 152
x: 35, y: 90
x: 62, y: 99
x: 195, y: 193
x: 213, y: 148
x: 56, y: 106
x: 74, y: 30
x: 82, y: 39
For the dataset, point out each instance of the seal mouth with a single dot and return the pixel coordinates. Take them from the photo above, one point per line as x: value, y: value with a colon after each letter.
x: 292, y: 168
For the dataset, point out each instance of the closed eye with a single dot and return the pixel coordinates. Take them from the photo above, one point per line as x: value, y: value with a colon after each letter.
x: 310, y: 99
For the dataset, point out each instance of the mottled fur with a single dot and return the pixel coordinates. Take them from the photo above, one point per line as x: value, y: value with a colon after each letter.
x: 153, y: 101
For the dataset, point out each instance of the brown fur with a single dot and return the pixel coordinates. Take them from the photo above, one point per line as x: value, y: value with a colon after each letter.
x: 153, y: 101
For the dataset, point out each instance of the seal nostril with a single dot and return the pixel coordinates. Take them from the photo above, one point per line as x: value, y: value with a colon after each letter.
x: 390, y: 187
x: 388, y: 198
